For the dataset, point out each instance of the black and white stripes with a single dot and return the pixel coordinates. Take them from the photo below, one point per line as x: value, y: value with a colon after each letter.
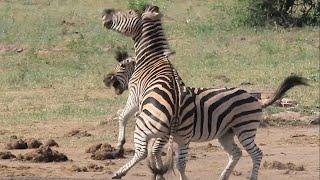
x: 218, y: 113
x: 167, y: 110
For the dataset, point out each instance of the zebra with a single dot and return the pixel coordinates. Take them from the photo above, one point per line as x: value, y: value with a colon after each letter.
x: 123, y: 72
x: 153, y: 89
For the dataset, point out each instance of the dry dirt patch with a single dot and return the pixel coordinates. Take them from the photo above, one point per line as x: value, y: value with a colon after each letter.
x: 78, y: 133
x: 283, y: 166
x: 303, y: 139
x: 10, y: 48
x: 43, y: 154
x: 88, y: 168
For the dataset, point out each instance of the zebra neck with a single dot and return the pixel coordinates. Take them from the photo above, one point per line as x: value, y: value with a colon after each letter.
x: 150, y: 43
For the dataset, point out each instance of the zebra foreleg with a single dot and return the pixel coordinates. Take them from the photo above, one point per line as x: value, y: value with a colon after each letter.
x: 140, y: 153
x: 123, y: 117
x: 234, y: 153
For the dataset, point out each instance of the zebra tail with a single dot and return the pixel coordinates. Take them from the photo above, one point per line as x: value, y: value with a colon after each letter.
x: 170, y: 154
x: 287, y: 84
x: 168, y: 165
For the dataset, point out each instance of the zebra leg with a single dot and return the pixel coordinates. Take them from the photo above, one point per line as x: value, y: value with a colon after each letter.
x: 140, y: 153
x: 126, y: 113
x: 246, y: 138
x: 182, y: 160
x: 155, y: 158
x: 234, y: 153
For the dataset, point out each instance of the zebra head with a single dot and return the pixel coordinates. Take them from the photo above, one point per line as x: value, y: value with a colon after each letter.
x: 119, y: 77
x: 125, y: 22
x: 129, y: 22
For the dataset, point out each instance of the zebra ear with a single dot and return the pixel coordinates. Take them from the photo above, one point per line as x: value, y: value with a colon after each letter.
x: 109, y: 79
x: 151, y: 13
x: 121, y: 55
x: 151, y: 8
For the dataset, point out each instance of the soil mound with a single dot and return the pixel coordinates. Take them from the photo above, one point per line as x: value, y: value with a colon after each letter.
x: 7, y: 155
x: 43, y: 154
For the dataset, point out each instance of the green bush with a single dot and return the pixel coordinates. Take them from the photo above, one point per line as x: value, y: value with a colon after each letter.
x: 286, y: 13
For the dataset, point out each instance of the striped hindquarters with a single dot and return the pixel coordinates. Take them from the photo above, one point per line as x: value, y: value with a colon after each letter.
x: 218, y: 110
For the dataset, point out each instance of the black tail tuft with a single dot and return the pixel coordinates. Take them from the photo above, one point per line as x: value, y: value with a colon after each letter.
x: 287, y: 84
x: 155, y: 171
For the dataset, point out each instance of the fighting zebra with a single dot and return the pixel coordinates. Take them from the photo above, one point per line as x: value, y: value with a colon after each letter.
x: 123, y: 71
x: 153, y: 89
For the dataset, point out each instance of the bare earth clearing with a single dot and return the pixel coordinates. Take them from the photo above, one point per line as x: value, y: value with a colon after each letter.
x: 296, y: 145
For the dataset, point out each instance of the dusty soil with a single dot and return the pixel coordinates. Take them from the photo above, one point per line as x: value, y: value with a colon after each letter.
x: 290, y: 152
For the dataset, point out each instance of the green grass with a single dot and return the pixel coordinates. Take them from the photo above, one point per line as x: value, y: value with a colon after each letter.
x: 67, y: 53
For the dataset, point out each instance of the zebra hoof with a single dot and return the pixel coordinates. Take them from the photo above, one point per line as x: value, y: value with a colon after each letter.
x: 118, y: 153
x: 116, y: 176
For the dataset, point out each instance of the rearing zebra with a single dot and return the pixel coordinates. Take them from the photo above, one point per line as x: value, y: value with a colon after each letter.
x: 153, y: 91
x: 218, y: 113
x: 123, y: 71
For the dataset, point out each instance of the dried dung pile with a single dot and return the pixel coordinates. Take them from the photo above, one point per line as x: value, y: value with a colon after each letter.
x: 43, y: 154
x: 51, y: 143
x: 103, y: 151
x: 7, y: 155
x: 24, y: 144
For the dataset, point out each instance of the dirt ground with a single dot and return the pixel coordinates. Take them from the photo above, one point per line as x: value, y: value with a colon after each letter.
x: 296, y: 145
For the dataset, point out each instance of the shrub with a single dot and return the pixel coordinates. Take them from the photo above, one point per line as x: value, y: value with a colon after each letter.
x: 285, y: 13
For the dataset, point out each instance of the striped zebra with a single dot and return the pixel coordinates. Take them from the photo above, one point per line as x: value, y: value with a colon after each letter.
x: 153, y: 90
x: 207, y: 114
x: 123, y: 72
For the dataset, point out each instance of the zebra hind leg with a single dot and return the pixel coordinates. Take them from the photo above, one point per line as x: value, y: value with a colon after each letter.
x: 246, y: 138
x: 182, y: 160
x: 155, y: 161
x: 234, y: 153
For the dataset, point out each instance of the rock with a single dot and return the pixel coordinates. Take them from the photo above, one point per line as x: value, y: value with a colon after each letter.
x: 315, y: 120
x: 286, y: 102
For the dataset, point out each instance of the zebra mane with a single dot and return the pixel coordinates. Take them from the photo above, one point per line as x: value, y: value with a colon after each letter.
x: 121, y: 55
